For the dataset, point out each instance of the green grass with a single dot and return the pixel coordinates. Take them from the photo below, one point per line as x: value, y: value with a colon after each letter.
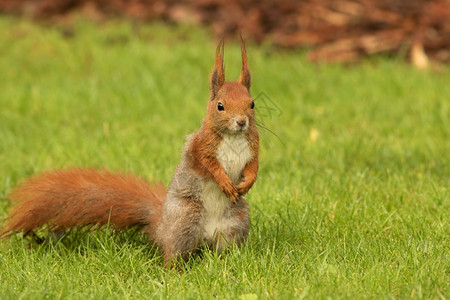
x: 352, y: 199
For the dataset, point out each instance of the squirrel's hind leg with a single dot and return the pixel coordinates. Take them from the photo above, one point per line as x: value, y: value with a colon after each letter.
x: 179, y: 232
x: 236, y: 234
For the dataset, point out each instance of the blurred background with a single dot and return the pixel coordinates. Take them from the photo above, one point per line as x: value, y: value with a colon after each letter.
x: 331, y: 30
x: 352, y: 196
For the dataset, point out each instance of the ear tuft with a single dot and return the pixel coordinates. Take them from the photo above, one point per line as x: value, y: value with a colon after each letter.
x: 245, y: 79
x: 218, y: 73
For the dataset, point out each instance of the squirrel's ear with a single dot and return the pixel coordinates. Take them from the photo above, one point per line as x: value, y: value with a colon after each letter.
x: 245, y: 79
x: 218, y: 73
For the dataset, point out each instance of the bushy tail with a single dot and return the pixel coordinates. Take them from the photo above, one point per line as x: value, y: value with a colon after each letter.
x: 81, y: 197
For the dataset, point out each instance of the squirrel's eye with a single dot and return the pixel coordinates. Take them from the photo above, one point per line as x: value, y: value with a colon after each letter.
x: 253, y: 105
x: 220, y: 107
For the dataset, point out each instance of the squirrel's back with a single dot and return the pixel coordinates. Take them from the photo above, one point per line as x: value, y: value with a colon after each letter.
x: 83, y: 197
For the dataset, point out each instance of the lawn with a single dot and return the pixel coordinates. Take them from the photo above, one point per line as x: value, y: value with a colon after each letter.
x: 352, y: 198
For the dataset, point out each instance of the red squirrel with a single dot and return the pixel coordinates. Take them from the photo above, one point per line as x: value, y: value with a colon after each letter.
x: 203, y: 204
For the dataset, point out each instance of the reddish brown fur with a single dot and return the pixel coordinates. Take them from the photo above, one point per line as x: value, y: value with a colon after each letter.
x: 66, y: 199
x: 235, y: 96
x: 237, y: 100
x: 218, y: 73
x: 208, y: 166
x: 245, y: 78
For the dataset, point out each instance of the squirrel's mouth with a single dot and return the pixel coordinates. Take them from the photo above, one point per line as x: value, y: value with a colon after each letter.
x: 238, y: 129
x: 239, y: 125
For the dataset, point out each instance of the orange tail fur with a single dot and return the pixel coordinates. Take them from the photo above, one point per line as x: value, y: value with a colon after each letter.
x: 78, y: 197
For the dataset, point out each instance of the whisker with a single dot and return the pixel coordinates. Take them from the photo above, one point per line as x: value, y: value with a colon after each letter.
x: 261, y: 125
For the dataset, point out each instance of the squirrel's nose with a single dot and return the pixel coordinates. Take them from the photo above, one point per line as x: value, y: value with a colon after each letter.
x: 241, y: 122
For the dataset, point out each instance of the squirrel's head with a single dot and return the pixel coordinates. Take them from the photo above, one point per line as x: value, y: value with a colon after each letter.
x: 230, y: 107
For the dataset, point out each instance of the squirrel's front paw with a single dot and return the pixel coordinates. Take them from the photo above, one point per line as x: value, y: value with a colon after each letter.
x: 243, y: 187
x: 229, y: 189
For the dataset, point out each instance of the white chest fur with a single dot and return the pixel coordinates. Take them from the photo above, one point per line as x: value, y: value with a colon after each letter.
x: 233, y: 154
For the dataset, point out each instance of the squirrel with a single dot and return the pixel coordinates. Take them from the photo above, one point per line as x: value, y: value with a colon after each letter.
x: 204, y: 203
